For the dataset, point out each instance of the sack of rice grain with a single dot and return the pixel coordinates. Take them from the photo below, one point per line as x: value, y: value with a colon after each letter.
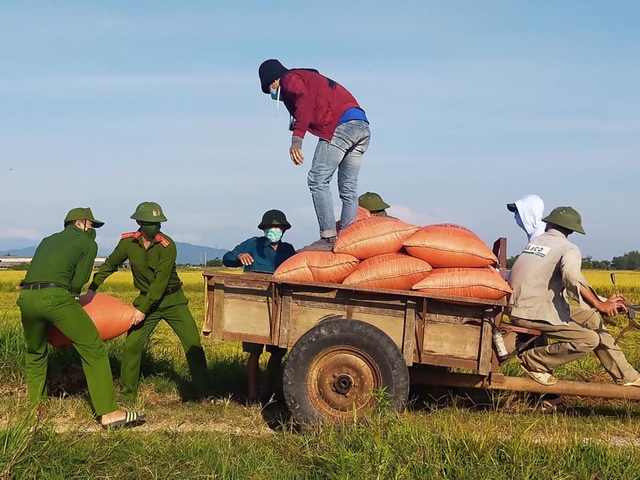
x: 311, y: 266
x: 449, y: 245
x: 390, y: 270
x: 373, y: 236
x: 483, y: 283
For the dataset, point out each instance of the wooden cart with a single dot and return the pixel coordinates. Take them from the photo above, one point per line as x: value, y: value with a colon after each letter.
x: 347, y: 342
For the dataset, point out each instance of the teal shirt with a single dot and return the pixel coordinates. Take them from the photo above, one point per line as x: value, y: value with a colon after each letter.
x: 265, y: 257
x: 153, y: 268
x: 65, y: 258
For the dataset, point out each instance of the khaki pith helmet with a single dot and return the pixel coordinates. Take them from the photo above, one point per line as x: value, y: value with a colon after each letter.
x: 149, y: 212
x: 274, y: 218
x: 82, y: 213
x: 565, y: 217
x: 372, y: 202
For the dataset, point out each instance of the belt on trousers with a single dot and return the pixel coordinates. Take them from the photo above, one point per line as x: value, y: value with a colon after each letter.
x: 173, y: 289
x: 39, y: 285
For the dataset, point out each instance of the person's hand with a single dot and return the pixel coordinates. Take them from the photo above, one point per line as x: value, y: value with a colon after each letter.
x: 614, y: 305
x: 245, y: 259
x: 138, y: 317
x: 296, y: 155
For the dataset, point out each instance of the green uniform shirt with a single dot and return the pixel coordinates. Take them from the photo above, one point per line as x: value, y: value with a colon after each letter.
x: 153, y: 269
x: 65, y: 258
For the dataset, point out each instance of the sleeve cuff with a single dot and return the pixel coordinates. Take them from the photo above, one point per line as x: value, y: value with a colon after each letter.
x: 296, y: 142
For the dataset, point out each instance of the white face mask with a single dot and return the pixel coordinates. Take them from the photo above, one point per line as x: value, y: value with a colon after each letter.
x: 275, y: 95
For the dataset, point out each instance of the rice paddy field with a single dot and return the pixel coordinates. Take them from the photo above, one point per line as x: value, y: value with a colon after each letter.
x: 442, y: 434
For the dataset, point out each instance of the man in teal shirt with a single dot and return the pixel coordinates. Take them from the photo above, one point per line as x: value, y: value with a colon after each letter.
x: 262, y: 254
x: 152, y: 256
x: 59, y: 269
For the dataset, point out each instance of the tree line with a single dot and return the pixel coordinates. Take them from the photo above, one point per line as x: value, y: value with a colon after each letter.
x: 628, y: 261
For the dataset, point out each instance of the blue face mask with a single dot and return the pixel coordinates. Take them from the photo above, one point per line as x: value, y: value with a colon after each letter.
x: 275, y: 95
x: 273, y: 235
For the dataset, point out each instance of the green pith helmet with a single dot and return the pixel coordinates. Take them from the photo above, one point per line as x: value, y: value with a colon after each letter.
x: 274, y: 218
x: 565, y: 217
x: 149, y: 212
x: 82, y: 213
x: 372, y: 202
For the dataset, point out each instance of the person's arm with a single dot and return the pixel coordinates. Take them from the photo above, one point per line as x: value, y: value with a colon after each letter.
x: 303, y: 113
x: 110, y: 265
x: 83, y: 268
x: 163, y: 272
x: 577, y: 286
x: 610, y: 307
x: 232, y: 258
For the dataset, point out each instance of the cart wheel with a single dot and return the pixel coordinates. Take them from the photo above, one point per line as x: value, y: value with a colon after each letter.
x: 333, y: 369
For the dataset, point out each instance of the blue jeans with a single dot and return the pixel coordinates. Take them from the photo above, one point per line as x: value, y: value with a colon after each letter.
x: 344, y: 153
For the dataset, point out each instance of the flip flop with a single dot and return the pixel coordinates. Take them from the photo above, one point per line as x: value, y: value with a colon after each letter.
x: 543, y: 378
x: 131, y: 419
x: 635, y: 383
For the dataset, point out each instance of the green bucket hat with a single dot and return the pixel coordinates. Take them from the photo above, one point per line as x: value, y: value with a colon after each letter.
x: 82, y: 213
x: 149, y: 212
x: 565, y: 217
x: 372, y: 202
x: 274, y: 218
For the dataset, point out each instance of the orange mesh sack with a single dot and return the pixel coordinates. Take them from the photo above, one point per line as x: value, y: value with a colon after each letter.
x: 484, y: 283
x: 110, y: 316
x: 362, y: 214
x: 448, y: 245
x: 373, y: 236
x: 325, y: 267
x: 391, y: 270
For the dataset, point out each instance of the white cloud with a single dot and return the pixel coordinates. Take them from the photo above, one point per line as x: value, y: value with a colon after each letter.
x: 20, y: 233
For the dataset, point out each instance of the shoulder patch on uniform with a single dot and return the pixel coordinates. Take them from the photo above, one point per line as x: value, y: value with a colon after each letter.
x: 537, y: 250
x: 130, y: 235
x: 162, y: 241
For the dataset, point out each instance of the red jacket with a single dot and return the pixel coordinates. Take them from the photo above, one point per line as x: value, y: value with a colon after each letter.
x: 315, y: 101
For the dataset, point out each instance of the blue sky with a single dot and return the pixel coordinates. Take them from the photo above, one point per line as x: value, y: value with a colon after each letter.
x: 472, y: 105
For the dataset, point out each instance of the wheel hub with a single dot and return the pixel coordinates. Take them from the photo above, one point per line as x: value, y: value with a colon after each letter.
x: 340, y: 380
x: 343, y: 384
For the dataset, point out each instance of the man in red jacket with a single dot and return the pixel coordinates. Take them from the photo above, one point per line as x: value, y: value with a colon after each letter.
x: 325, y: 108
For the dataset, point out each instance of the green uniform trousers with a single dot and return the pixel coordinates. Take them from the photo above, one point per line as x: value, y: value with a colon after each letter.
x: 181, y: 321
x: 585, y: 333
x: 58, y: 307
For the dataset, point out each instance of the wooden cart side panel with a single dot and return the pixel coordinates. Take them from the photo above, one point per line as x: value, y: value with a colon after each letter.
x: 307, y: 317
x: 218, y: 311
x: 409, y: 337
x: 207, y: 323
x: 486, y: 349
x: 285, y: 318
x: 451, y: 340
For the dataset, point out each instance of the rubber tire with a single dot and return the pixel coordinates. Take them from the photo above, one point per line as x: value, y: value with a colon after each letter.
x: 342, y: 332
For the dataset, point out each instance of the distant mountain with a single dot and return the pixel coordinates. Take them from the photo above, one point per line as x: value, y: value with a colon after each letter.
x: 187, y: 253
x: 19, y: 252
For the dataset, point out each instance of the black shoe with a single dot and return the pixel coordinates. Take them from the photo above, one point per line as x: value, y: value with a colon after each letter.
x: 322, y: 245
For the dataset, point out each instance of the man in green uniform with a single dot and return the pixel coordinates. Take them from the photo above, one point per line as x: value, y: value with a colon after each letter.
x: 152, y: 256
x: 374, y: 203
x: 59, y: 269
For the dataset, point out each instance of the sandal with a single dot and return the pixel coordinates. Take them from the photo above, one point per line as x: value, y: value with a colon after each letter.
x: 131, y: 419
x: 635, y: 383
x: 543, y: 378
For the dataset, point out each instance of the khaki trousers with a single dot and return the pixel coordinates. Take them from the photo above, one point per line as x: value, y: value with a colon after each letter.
x: 585, y: 332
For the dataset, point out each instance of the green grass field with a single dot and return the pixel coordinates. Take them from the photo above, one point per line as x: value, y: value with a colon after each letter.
x: 442, y: 434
